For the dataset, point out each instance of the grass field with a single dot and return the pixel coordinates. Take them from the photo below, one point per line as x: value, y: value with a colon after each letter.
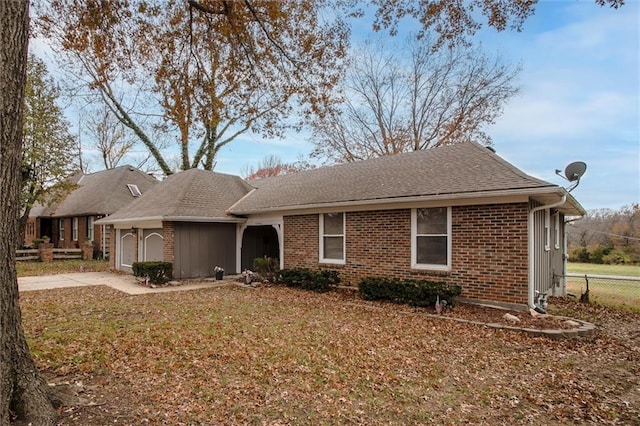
x: 595, y: 269
x: 35, y: 268
x: 617, y: 293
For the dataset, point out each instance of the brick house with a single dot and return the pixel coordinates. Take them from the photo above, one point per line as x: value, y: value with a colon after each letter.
x: 71, y: 222
x: 458, y: 213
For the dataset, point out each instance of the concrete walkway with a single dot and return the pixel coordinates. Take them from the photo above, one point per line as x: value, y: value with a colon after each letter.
x: 124, y: 283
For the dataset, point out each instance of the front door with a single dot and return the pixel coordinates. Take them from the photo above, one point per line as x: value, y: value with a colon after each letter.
x: 259, y: 241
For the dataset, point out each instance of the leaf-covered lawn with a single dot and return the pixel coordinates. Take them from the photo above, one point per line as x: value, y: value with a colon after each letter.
x: 234, y: 355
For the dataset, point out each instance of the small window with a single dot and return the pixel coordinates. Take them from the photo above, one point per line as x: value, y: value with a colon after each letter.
x: 556, y: 229
x: 74, y: 229
x: 61, y: 228
x: 332, y: 241
x: 547, y: 230
x: 431, y: 238
x: 90, y: 220
x: 134, y: 190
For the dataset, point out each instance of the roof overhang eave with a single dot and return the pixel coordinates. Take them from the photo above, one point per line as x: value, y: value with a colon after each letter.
x: 458, y: 198
x: 109, y: 221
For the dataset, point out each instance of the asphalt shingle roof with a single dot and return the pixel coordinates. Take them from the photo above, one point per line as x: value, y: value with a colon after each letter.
x: 463, y: 168
x: 194, y: 193
x: 103, y: 192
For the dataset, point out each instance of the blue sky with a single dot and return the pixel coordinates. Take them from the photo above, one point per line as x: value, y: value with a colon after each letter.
x: 579, y: 101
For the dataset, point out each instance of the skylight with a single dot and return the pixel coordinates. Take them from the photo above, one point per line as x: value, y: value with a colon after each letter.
x: 135, y: 191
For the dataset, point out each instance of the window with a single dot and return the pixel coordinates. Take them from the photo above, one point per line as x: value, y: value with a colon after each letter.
x: 74, y: 229
x: 90, y: 220
x: 61, y: 228
x: 547, y: 226
x: 134, y: 190
x: 332, y: 238
x: 556, y: 229
x: 431, y: 238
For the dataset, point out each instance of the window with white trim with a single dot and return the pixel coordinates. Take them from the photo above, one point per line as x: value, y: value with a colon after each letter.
x: 431, y: 238
x: 90, y: 234
x: 74, y: 229
x: 556, y: 230
x: 61, y: 228
x: 332, y: 238
x: 547, y: 226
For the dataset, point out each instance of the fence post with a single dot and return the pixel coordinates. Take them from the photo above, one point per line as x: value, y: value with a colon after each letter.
x: 46, y: 252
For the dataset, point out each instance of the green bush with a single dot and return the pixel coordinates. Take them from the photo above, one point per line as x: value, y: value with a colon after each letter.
x: 616, y: 257
x: 306, y: 279
x: 580, y: 255
x: 411, y: 292
x: 158, y: 272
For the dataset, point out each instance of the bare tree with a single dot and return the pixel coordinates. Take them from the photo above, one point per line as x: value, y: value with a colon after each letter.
x: 23, y: 393
x: 271, y: 166
x: 437, y: 97
x: 114, y: 142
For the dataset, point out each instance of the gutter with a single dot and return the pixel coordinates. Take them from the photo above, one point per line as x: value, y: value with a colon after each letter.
x: 443, y: 198
x: 530, y: 301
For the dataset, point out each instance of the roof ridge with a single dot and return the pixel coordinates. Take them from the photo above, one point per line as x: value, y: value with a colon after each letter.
x: 496, y: 157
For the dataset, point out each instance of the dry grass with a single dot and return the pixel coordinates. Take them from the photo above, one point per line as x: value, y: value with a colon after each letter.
x: 35, y: 268
x: 279, y: 356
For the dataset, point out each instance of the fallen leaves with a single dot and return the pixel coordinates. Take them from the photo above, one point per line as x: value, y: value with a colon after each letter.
x: 281, y: 356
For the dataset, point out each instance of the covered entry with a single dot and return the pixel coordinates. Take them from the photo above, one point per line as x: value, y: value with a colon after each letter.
x: 259, y: 241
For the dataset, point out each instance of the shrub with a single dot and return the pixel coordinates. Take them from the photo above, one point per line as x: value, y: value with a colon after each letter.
x: 580, y: 254
x: 598, y: 253
x: 266, y: 267
x: 412, y: 292
x: 306, y: 279
x: 616, y: 257
x: 158, y: 272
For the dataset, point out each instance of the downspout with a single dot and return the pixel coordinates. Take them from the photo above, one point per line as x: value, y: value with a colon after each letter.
x: 565, y: 254
x: 531, y: 297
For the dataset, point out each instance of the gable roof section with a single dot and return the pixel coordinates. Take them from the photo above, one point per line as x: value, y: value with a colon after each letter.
x: 103, y: 192
x: 191, y: 195
x: 463, y: 170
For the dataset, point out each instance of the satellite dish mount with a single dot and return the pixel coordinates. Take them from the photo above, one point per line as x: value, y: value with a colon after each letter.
x: 572, y: 173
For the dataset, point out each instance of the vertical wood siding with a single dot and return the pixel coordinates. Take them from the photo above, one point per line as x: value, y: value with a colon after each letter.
x: 199, y: 247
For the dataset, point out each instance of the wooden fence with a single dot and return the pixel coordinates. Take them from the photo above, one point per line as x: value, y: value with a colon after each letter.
x: 58, y: 254
x: 30, y: 254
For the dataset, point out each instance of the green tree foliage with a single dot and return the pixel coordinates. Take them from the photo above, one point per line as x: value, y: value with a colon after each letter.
x: 606, y: 236
x: 48, y: 146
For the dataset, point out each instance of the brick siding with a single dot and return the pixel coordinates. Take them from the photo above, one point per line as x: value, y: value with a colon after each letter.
x: 168, y: 249
x: 112, y: 246
x: 489, y: 249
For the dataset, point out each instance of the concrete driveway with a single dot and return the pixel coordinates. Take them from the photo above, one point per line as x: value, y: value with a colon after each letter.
x: 124, y: 283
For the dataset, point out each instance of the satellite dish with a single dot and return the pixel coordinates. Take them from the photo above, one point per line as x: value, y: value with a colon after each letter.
x: 573, y: 172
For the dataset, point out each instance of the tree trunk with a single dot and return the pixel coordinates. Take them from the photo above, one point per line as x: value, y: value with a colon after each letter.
x: 23, y: 393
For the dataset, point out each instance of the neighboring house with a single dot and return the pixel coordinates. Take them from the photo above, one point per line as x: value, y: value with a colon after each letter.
x: 71, y: 222
x: 457, y: 213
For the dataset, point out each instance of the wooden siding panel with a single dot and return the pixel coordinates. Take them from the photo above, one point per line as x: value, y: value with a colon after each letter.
x: 199, y: 247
